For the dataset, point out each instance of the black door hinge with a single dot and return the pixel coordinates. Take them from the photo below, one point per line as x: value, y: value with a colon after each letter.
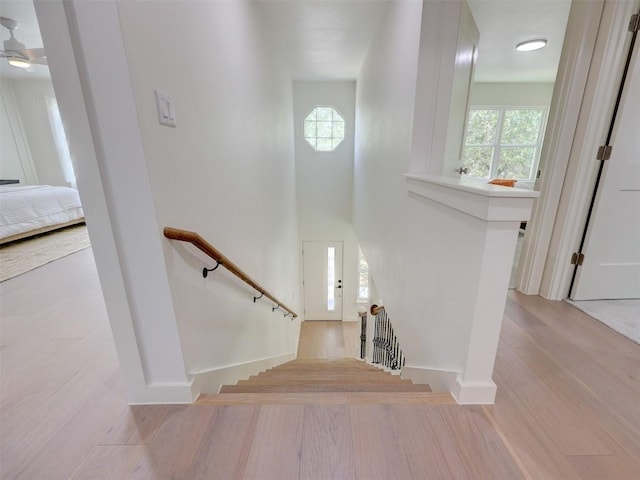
x: 604, y: 152
x: 577, y: 258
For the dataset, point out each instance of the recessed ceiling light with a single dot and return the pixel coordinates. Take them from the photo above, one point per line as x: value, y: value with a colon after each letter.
x: 531, y: 45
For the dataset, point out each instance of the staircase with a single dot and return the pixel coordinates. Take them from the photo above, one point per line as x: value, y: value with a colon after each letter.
x: 315, y: 381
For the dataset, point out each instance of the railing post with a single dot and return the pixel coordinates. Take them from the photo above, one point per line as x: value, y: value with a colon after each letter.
x: 363, y: 334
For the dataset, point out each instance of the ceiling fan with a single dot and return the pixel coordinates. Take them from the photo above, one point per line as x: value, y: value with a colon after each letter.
x: 16, y: 53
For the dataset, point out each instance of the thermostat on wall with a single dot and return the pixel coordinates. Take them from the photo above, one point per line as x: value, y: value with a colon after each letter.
x: 166, y: 112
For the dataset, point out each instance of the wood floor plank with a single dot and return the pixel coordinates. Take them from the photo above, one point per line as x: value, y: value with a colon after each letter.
x: 327, y: 448
x: 568, y: 430
x: 91, y: 362
x: 481, y: 448
x: 20, y: 445
x: 430, y: 449
x: 589, y: 404
x: 580, y: 364
x: 138, y: 424
x: 278, y: 459
x: 176, y: 446
x: 529, y: 443
x: 226, y: 446
x: 109, y: 461
x: 377, y: 445
x: 73, y: 443
x: 20, y: 362
x: 602, y: 467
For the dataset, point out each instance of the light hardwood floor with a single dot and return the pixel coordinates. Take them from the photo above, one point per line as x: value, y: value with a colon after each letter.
x: 568, y: 405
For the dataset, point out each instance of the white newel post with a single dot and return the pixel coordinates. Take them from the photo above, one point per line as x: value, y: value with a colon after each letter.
x: 500, y: 211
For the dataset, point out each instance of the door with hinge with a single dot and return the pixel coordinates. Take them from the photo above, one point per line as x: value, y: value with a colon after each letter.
x: 322, y: 278
x: 609, y: 262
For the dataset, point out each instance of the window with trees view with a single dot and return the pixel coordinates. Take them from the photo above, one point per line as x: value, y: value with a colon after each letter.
x: 504, y: 142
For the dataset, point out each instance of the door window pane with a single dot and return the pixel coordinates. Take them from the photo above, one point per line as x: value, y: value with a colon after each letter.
x: 331, y: 279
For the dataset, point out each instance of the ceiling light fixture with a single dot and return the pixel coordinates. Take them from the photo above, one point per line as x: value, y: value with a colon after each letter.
x: 531, y: 45
x: 18, y: 62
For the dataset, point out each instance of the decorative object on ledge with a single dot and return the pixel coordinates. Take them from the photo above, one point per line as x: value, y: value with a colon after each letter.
x: 208, y: 249
x: 363, y: 334
x: 505, y: 182
x: 386, y: 349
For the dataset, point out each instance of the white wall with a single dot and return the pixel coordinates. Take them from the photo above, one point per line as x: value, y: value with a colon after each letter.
x: 429, y: 261
x: 16, y: 162
x: 384, y: 115
x: 516, y: 94
x: 226, y: 171
x: 31, y: 100
x: 324, y: 180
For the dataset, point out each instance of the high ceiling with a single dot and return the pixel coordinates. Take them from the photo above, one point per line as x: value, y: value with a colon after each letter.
x: 505, y: 23
x: 329, y: 39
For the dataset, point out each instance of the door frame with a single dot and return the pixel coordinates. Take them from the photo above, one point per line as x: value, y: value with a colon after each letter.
x: 304, y: 297
x: 582, y: 101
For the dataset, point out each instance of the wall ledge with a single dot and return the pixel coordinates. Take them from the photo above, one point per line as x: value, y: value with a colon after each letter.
x: 490, y: 203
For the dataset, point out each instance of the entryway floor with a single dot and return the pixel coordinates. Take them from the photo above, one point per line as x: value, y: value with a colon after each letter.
x: 329, y: 339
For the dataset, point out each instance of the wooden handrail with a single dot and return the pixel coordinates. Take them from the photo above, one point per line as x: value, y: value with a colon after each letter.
x: 208, y: 249
x: 376, y: 308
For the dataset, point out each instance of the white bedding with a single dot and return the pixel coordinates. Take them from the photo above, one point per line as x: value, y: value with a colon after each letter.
x: 26, y: 210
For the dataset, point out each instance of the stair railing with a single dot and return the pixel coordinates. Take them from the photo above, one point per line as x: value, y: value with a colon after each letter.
x: 212, y: 252
x: 363, y: 334
x: 386, y: 349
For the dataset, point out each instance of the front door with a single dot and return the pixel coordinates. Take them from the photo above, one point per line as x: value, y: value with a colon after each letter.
x: 322, y: 278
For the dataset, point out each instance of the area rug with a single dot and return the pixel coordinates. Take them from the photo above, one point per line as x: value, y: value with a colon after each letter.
x: 621, y: 315
x: 22, y: 256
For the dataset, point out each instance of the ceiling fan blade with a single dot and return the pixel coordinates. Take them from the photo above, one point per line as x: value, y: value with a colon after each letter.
x: 39, y: 61
x: 34, y: 54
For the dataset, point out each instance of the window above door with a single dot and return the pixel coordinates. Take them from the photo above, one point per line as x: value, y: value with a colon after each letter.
x: 324, y: 128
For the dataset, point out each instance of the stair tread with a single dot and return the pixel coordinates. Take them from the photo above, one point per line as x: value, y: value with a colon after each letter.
x: 324, y: 398
x: 404, y: 387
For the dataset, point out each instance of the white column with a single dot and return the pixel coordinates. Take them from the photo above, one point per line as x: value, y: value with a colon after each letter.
x: 500, y: 210
x: 90, y: 75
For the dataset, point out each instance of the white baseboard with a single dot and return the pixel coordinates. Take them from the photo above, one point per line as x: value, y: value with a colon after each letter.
x: 438, y: 380
x: 448, y: 381
x: 474, y: 393
x: 163, y: 393
x: 210, y: 381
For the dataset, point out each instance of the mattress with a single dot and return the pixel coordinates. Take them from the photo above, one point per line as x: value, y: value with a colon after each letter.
x: 26, y: 210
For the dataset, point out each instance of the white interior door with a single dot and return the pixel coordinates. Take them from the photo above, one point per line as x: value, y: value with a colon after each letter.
x: 611, y: 266
x: 322, y: 263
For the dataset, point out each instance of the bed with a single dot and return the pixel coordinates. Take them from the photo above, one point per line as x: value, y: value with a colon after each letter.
x: 33, y: 209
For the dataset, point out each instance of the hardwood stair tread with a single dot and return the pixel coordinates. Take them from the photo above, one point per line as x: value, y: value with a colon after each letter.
x: 314, y: 388
x: 327, y: 398
x: 324, y: 381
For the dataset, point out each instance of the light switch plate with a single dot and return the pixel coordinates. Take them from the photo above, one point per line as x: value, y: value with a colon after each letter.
x: 166, y: 111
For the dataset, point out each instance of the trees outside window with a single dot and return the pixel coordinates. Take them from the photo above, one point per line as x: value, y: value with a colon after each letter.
x: 504, y: 142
